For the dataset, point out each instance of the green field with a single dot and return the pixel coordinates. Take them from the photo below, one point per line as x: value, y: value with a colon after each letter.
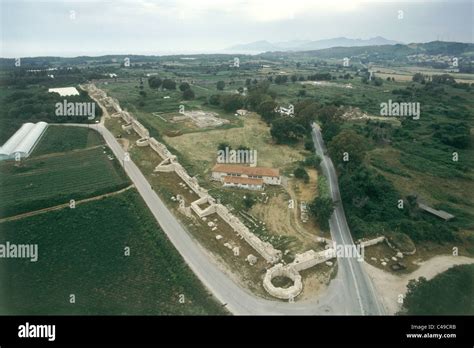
x: 63, y: 139
x: 45, y: 181
x: 82, y: 252
x: 147, y: 108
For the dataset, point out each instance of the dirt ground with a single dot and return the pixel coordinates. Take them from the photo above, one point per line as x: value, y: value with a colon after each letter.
x: 390, y: 286
x: 282, y: 220
x: 316, y: 280
x: 255, y: 134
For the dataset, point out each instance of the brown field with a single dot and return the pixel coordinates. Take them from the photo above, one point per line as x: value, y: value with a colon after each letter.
x: 281, y: 220
x: 405, y: 74
x: 255, y: 134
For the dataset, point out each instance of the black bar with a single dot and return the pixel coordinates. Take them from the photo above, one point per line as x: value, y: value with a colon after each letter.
x: 314, y: 330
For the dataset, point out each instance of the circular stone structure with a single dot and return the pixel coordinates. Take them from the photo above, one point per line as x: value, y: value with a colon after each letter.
x: 283, y: 271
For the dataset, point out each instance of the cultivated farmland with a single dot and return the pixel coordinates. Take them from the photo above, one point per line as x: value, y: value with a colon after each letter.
x: 82, y: 251
x: 63, y: 138
x: 49, y: 180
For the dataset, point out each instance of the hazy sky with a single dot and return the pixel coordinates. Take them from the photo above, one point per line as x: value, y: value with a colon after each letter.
x: 93, y: 27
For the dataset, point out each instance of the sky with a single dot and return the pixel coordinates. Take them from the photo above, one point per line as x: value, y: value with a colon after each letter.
x: 93, y: 27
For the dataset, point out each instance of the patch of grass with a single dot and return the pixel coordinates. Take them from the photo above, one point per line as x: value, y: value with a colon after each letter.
x: 63, y: 139
x: 82, y: 252
x: 50, y: 180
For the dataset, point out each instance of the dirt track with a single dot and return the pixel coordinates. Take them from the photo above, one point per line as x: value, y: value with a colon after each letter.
x: 390, y: 286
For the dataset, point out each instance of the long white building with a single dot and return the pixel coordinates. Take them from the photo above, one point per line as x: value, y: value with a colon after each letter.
x: 253, y: 178
x: 23, y: 142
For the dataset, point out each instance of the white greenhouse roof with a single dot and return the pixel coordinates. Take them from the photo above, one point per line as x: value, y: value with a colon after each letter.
x: 9, y: 147
x: 24, y: 140
x: 29, y: 142
x: 64, y: 91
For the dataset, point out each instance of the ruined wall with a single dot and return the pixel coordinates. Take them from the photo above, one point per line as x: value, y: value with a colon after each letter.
x: 283, y: 271
x: 311, y: 258
x: 169, y: 163
x: 265, y: 249
x: 373, y: 241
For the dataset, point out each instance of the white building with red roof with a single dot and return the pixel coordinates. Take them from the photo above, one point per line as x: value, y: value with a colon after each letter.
x: 253, y: 178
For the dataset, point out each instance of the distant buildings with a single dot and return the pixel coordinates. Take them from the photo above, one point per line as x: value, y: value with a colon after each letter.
x: 252, y: 178
x: 242, y: 112
x: 22, y: 143
x: 290, y: 111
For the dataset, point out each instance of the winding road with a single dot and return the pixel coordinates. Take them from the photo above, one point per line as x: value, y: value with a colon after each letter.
x: 350, y: 293
x: 356, y: 280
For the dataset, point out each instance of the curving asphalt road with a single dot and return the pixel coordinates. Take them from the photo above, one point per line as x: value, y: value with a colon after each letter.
x: 356, y: 280
x: 349, y: 293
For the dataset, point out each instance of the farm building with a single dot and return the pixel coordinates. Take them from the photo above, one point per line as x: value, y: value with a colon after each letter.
x: 439, y: 213
x: 245, y: 177
x: 22, y: 143
x: 242, y: 112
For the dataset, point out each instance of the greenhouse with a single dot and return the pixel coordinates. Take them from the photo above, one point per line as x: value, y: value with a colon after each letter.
x: 23, y: 142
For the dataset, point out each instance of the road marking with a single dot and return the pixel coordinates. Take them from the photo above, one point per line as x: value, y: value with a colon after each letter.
x: 352, y: 272
x: 326, y: 164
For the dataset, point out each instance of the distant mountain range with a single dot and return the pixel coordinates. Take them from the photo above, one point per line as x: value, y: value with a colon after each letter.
x: 307, y: 45
x: 464, y: 51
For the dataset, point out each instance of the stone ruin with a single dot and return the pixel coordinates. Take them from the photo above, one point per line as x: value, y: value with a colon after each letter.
x: 265, y: 249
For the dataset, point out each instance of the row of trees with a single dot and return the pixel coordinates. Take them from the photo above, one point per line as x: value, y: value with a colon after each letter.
x: 156, y: 82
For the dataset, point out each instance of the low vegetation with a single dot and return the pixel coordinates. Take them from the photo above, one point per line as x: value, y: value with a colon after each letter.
x: 82, y: 251
x: 46, y: 181
x: 449, y: 293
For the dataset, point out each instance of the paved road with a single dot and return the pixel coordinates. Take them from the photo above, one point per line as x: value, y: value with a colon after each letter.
x: 356, y: 282
x: 338, y: 298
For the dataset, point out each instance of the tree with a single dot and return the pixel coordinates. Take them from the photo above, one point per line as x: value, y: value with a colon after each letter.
x: 331, y: 129
x: 449, y: 293
x: 285, y: 130
x: 301, y: 173
x: 267, y: 110
x: 223, y: 146
x: 220, y: 85
x: 249, y: 201
x: 307, y: 112
x: 301, y: 93
x: 348, y: 148
x: 320, y: 76
x: 154, y: 82
x: 232, y: 102
x: 312, y: 160
x: 443, y: 79
x: 294, y: 78
x: 377, y: 81
x: 215, y: 99
x: 169, y: 84
x: 281, y: 79
x: 188, y: 94
x: 257, y: 95
x: 184, y: 86
x: 321, y: 208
